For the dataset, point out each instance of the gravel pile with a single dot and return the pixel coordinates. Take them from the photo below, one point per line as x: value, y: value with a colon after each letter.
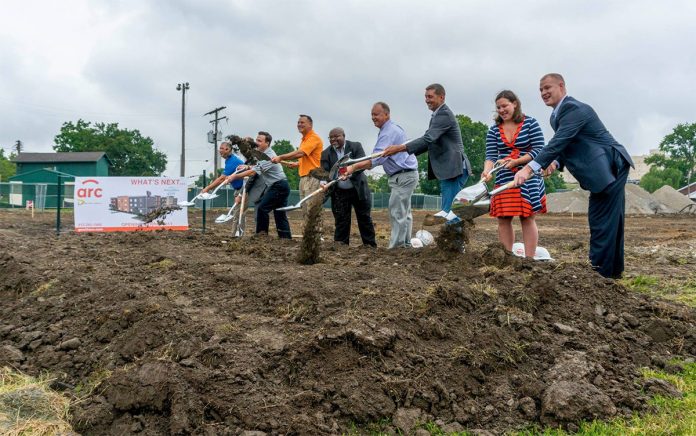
x: 672, y: 198
x: 665, y: 200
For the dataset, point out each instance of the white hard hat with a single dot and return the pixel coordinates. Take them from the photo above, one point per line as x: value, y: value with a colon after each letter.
x: 542, y: 254
x: 416, y: 243
x: 518, y: 249
x: 425, y: 236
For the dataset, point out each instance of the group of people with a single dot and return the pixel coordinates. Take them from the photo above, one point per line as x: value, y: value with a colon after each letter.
x: 515, y: 147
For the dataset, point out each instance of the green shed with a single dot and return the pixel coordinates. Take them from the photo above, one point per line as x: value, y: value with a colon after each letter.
x: 85, y: 163
x: 37, y: 174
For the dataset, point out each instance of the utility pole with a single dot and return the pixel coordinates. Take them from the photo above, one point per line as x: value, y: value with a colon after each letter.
x: 214, y: 121
x: 183, y: 87
x: 18, y: 146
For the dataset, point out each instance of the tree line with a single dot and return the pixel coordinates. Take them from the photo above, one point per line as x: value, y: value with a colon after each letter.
x: 133, y: 154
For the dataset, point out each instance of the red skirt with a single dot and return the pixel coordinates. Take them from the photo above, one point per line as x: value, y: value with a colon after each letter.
x: 511, y: 203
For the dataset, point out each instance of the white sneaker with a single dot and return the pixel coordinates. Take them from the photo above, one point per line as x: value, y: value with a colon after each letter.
x: 450, y: 216
x: 441, y: 214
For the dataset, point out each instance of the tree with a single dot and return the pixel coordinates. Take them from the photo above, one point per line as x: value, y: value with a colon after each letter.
x: 7, y: 167
x: 378, y: 183
x: 554, y: 182
x: 430, y: 187
x: 283, y: 146
x: 678, y: 152
x: 659, y: 177
x: 474, y: 139
x: 130, y: 153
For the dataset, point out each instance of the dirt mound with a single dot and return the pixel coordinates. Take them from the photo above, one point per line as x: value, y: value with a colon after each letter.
x: 16, y: 276
x: 672, y: 198
x: 176, y: 333
x: 568, y: 202
x: 638, y: 202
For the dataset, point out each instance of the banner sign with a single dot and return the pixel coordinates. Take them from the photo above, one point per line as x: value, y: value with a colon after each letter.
x: 122, y: 204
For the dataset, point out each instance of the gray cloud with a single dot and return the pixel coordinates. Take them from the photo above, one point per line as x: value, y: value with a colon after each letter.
x: 269, y: 61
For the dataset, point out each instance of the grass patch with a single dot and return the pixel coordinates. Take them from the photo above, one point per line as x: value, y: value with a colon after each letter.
x: 164, y: 264
x: 44, y: 287
x: 682, y: 290
x: 671, y: 417
x: 29, y: 407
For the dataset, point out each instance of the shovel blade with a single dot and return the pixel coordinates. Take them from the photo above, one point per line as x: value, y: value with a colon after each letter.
x: 470, y: 212
x: 207, y: 196
x: 471, y: 193
x: 223, y: 219
x: 289, y: 208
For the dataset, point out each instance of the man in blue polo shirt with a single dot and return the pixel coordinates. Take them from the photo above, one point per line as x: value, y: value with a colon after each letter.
x: 231, y: 164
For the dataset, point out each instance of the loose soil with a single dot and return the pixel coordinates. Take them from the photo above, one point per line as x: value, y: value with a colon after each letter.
x: 189, y: 333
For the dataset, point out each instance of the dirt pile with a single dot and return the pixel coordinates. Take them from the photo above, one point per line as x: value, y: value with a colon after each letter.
x: 638, y: 202
x: 672, y: 198
x: 183, y: 333
x: 568, y: 202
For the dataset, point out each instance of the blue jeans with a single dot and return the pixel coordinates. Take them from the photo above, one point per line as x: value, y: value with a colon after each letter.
x: 275, y: 196
x: 449, y: 189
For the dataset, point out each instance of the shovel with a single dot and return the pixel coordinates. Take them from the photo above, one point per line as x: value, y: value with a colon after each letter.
x: 333, y: 176
x: 364, y: 158
x: 480, y: 204
x: 240, y: 218
x: 206, y: 195
x: 226, y: 216
x: 467, y: 197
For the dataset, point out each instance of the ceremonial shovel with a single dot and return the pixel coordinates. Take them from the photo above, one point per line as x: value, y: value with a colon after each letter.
x: 226, y: 216
x: 333, y: 176
x: 472, y: 203
x: 205, y: 195
x: 364, y: 158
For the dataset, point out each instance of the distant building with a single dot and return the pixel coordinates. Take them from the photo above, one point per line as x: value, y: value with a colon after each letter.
x: 689, y: 191
x: 82, y: 164
x: 141, y: 204
x: 37, y: 176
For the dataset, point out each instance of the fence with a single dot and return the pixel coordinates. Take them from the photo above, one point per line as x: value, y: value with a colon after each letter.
x: 45, y: 196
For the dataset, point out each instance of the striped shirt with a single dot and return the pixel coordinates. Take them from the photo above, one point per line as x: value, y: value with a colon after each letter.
x: 528, y: 139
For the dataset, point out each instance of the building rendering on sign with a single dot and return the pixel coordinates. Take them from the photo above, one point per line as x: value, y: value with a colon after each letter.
x: 141, y: 204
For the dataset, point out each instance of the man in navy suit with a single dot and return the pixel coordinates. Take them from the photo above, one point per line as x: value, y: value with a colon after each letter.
x: 599, y: 163
x: 353, y: 193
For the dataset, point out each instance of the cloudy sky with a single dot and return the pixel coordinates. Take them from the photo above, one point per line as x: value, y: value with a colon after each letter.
x: 268, y: 61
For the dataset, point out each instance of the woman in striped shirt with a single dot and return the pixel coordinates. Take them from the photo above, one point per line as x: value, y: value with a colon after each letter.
x: 514, y: 140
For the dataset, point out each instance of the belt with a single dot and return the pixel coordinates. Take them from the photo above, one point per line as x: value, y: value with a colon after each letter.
x: 401, y: 171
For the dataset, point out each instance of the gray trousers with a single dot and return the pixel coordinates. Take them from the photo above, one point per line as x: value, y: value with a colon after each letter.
x: 402, y: 187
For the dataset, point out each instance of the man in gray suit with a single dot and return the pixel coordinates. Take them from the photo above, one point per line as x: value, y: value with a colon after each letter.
x: 599, y: 163
x: 353, y: 193
x: 447, y: 160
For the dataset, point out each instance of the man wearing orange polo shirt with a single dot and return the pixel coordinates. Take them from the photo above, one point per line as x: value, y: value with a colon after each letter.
x: 309, y: 156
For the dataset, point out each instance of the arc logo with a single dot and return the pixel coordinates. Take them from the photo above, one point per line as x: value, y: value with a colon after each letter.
x: 89, y: 191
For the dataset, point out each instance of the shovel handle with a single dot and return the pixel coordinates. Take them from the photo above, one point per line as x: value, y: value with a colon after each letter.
x: 360, y: 159
x: 317, y: 191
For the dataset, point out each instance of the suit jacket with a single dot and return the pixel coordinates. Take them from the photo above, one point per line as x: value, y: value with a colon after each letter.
x: 584, y: 146
x: 359, y: 179
x: 443, y: 142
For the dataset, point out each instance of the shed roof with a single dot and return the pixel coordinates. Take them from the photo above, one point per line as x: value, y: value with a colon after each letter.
x: 76, y: 156
x: 41, y: 170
